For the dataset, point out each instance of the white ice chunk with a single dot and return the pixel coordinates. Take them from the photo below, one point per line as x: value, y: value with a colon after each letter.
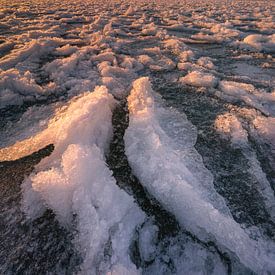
x: 261, y: 42
x: 75, y: 182
x: 199, y: 79
x: 64, y: 127
x: 234, y: 91
x: 188, y: 194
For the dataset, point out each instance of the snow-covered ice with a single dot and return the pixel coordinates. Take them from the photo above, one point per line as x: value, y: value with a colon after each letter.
x: 164, y: 169
x: 75, y: 180
x: 67, y: 69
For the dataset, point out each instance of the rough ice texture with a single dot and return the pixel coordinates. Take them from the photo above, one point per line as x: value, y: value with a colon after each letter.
x: 199, y: 79
x: 261, y: 42
x: 230, y: 127
x: 64, y: 127
x: 15, y: 88
x: 175, y: 255
x: 235, y: 91
x: 54, y: 50
x: 77, y: 185
x: 165, y: 169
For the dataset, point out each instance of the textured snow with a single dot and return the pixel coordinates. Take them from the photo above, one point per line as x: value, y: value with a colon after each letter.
x: 234, y: 91
x: 188, y: 194
x: 261, y: 42
x: 75, y: 180
x: 63, y: 66
x: 199, y: 79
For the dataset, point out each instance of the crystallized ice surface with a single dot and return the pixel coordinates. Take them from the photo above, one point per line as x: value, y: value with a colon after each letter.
x: 78, y: 186
x: 187, y: 193
x: 199, y: 79
x: 230, y: 127
x: 62, y: 63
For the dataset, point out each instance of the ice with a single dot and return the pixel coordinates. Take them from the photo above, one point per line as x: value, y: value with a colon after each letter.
x: 225, y: 30
x: 77, y: 185
x: 16, y: 88
x: 74, y: 74
x: 64, y: 127
x: 31, y: 51
x: 206, y: 62
x: 261, y: 42
x: 8, y: 97
x: 229, y: 126
x: 66, y: 50
x: 260, y: 100
x: 149, y: 29
x: 155, y: 61
x: 6, y: 47
x: 52, y: 56
x: 184, y: 257
x: 265, y: 126
x: 186, y: 56
x: 189, y: 195
x: 199, y: 79
x: 177, y: 47
x: 130, y: 11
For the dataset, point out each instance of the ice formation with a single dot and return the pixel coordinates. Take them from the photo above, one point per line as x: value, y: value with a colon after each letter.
x: 54, y: 53
x: 230, y: 127
x: 75, y: 181
x: 261, y: 42
x: 234, y: 91
x: 177, y: 178
x: 199, y: 79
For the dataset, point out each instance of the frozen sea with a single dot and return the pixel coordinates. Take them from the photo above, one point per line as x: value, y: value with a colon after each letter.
x: 137, y: 137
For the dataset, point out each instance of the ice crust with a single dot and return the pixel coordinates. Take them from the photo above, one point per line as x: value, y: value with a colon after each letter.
x: 53, y: 53
x: 189, y: 195
x: 230, y: 127
x: 199, y: 79
x: 234, y: 91
x: 261, y: 42
x: 77, y: 185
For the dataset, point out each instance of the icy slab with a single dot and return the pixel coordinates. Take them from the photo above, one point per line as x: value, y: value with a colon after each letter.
x: 65, y: 122
x: 199, y: 79
x: 236, y: 91
x: 261, y: 42
x: 265, y: 126
x: 77, y: 185
x: 189, y: 194
x: 230, y: 127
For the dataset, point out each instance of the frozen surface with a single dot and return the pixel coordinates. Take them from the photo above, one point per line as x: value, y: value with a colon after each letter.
x: 75, y: 180
x: 199, y: 79
x: 190, y: 196
x: 202, y: 156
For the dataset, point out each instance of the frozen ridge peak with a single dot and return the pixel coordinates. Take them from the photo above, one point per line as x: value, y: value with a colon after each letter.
x: 76, y: 184
x: 173, y: 135
x: 181, y: 183
x: 140, y: 100
x: 64, y: 127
